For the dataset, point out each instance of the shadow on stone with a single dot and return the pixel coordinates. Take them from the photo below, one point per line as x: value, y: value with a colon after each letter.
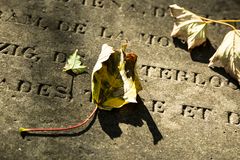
x: 200, y: 54
x: 222, y: 72
x: 203, y: 53
x: 180, y: 43
x: 47, y: 134
x: 133, y: 114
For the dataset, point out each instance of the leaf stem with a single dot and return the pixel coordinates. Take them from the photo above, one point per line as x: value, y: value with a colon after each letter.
x: 229, y: 20
x: 60, y: 129
x: 220, y: 22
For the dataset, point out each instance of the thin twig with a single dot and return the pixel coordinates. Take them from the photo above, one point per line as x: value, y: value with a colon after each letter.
x: 229, y: 20
x: 60, y: 129
x: 217, y: 21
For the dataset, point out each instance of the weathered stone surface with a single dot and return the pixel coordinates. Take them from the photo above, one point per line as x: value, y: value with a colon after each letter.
x: 186, y: 110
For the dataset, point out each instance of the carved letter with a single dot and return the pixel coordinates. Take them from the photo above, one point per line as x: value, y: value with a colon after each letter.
x: 60, y: 57
x: 187, y: 111
x: 44, y: 89
x: 98, y: 3
x: 80, y: 28
x: 29, y: 52
x: 233, y: 118
x: 9, y: 49
x: 158, y: 106
x: 61, y: 92
x: 215, y: 81
x: 24, y: 86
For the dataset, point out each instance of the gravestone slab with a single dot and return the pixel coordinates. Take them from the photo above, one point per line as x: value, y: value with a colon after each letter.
x: 185, y: 111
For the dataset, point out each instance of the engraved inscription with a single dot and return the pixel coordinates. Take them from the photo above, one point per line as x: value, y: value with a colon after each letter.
x: 43, y: 89
x: 126, y: 6
x: 148, y: 39
x: 61, y: 57
x: 81, y: 26
x: 32, y: 53
x: 159, y: 107
x: 72, y: 27
x: 156, y: 106
x: 185, y: 76
x: 18, y: 50
x: 37, y: 88
x: 94, y: 3
x: 151, y: 39
x: 195, y: 112
x: 110, y: 34
x: 45, y: 23
x: 28, y: 19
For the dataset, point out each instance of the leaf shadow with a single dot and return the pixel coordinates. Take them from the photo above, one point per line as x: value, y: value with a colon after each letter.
x: 200, y: 54
x: 203, y: 53
x: 180, y: 43
x: 222, y: 72
x: 73, y: 134
x: 133, y: 114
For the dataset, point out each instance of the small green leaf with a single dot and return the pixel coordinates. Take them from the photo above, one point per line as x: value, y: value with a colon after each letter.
x: 74, y: 64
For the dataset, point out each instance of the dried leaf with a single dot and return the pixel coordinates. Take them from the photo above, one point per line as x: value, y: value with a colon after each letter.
x: 114, y: 79
x: 228, y: 54
x: 188, y: 26
x: 74, y: 64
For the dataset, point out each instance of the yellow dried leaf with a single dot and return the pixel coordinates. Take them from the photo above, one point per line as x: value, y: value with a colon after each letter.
x: 114, y: 79
x: 228, y: 54
x: 188, y: 26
